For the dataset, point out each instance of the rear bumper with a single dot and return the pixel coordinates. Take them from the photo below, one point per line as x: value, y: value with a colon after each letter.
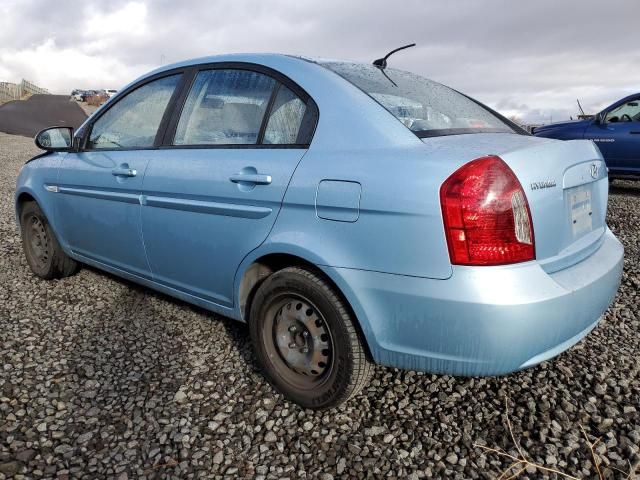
x: 482, y: 321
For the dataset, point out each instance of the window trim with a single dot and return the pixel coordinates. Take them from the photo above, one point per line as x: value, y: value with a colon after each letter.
x: 86, y: 134
x: 278, y: 77
x: 267, y: 113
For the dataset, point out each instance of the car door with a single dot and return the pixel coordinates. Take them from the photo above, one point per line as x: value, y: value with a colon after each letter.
x: 618, y: 136
x: 98, y: 206
x: 212, y: 193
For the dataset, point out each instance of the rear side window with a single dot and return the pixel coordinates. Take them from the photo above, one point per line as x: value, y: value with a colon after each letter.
x: 133, y: 122
x: 285, y: 119
x: 224, y: 107
x: 427, y: 108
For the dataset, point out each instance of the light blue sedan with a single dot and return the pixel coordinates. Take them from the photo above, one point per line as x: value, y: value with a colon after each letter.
x: 351, y: 214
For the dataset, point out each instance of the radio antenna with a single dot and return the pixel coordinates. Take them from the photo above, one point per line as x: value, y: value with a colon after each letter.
x: 382, y: 62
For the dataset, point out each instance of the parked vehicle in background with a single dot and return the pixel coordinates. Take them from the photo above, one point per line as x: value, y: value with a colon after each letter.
x: 92, y: 97
x: 616, y: 131
x: 349, y: 213
x: 77, y: 95
x: 88, y: 93
x: 110, y: 92
x: 97, y: 99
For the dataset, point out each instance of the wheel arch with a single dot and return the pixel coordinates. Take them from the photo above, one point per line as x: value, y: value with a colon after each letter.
x: 27, y: 194
x: 260, y: 267
x: 22, y: 198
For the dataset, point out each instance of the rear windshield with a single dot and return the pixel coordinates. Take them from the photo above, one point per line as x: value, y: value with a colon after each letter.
x: 427, y: 108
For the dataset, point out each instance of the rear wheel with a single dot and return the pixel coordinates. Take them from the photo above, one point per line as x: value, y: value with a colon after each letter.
x: 306, y: 340
x: 44, y: 254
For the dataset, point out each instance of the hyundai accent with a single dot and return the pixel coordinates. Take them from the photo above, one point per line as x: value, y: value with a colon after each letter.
x: 351, y: 214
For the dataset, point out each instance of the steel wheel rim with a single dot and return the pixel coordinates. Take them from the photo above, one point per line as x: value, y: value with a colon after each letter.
x: 38, y: 241
x: 298, y: 341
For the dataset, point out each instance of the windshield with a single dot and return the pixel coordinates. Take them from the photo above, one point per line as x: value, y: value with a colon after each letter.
x: 427, y: 108
x: 627, y: 112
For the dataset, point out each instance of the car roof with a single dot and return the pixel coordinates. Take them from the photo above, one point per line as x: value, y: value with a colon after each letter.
x: 266, y: 59
x: 273, y: 60
x: 277, y: 61
x: 259, y: 58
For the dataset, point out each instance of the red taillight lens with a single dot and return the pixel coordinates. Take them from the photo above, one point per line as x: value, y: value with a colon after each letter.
x: 486, y: 215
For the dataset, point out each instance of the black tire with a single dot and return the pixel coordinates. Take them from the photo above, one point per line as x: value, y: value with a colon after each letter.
x: 334, y: 367
x: 44, y: 254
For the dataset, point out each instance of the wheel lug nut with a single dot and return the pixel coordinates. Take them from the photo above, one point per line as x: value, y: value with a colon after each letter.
x: 292, y: 328
x: 292, y: 345
x: 305, y: 334
x: 304, y: 350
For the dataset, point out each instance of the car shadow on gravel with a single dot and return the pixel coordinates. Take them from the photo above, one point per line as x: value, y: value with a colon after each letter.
x: 137, y: 303
x: 128, y: 346
x: 139, y: 365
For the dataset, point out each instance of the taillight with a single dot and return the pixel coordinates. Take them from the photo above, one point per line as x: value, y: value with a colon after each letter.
x: 486, y: 215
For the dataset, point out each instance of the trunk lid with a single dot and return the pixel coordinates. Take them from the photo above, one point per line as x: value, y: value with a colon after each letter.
x: 565, y: 183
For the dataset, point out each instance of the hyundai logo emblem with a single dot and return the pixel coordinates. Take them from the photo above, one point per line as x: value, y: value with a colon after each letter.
x: 594, y: 170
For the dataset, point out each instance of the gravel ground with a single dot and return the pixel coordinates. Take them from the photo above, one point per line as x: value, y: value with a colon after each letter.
x: 104, y: 379
x: 87, y: 109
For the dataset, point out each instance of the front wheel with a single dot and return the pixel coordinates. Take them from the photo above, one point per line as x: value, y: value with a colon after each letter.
x: 44, y: 254
x: 306, y: 340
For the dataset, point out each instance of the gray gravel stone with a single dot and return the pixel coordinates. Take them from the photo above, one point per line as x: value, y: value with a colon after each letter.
x: 171, y: 391
x: 218, y: 458
x: 85, y: 437
x: 180, y: 397
x: 9, y: 469
x: 452, y: 458
x: 25, y: 456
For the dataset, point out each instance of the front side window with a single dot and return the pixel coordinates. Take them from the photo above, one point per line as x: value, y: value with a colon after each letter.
x: 285, y: 119
x: 427, y: 108
x: 224, y: 107
x: 133, y: 122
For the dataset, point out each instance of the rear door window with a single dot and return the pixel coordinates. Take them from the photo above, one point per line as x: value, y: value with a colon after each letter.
x: 225, y: 107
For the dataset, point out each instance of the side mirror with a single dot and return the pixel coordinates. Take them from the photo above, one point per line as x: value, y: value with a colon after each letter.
x: 55, y: 139
x: 600, y: 118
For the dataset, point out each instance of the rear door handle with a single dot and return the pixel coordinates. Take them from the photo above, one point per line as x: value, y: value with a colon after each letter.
x: 123, y: 172
x: 255, y: 178
x: 634, y: 133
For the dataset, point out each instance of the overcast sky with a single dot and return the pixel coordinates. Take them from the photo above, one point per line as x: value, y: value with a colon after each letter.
x: 531, y: 59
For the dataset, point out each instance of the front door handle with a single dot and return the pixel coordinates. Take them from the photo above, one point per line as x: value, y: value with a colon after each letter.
x: 255, y: 178
x: 634, y: 133
x: 124, y: 172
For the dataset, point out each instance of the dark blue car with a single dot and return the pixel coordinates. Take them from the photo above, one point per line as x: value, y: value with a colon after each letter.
x: 616, y: 131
